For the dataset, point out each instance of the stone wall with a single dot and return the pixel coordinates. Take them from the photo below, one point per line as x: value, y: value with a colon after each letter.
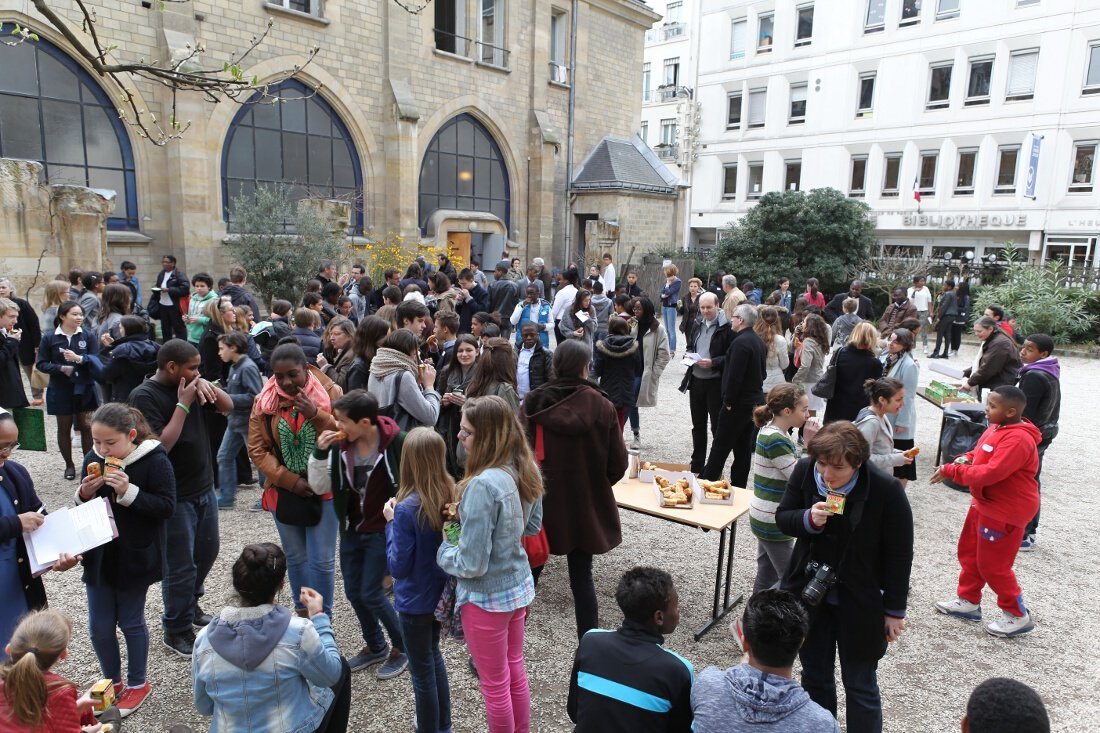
x: 392, y: 88
x: 647, y: 223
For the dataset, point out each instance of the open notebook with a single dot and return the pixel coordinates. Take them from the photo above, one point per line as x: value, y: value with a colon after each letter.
x: 73, y: 530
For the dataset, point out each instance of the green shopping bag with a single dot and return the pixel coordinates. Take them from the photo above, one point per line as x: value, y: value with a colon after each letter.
x: 32, y: 428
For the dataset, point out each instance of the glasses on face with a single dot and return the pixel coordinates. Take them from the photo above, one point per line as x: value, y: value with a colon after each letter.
x: 465, y: 433
x: 8, y: 449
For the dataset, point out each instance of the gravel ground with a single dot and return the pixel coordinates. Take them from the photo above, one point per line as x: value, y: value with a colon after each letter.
x: 925, y: 678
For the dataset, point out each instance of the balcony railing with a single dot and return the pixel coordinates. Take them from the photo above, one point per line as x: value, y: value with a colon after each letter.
x: 450, y: 43
x: 673, y: 30
x: 492, y: 55
x: 667, y: 151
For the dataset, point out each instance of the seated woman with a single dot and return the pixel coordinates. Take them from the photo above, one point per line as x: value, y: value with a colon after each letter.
x: 260, y: 668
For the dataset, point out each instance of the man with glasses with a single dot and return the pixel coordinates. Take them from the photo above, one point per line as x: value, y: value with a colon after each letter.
x: 710, y: 338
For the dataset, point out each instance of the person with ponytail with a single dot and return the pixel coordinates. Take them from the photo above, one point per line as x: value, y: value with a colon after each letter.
x: 34, y: 699
x: 898, y: 363
x: 259, y: 668
x: 786, y: 409
x: 132, y: 472
x: 495, y: 584
x: 887, y: 395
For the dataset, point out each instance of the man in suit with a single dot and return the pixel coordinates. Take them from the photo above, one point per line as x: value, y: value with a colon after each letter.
x: 865, y: 311
x: 172, y: 286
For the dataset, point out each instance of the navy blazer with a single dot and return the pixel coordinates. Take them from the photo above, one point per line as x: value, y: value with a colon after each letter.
x: 82, y: 342
x: 15, y: 480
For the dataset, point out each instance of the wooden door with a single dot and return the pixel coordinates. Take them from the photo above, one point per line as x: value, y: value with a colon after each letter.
x: 458, y: 247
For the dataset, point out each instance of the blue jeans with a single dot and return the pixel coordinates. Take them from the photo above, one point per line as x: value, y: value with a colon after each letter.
x: 232, y: 442
x: 669, y: 316
x: 109, y: 608
x: 311, y: 556
x: 860, y: 677
x: 632, y: 411
x: 363, y: 563
x: 429, y: 674
x: 189, y: 553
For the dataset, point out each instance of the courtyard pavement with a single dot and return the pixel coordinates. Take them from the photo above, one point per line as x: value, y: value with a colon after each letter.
x: 926, y: 677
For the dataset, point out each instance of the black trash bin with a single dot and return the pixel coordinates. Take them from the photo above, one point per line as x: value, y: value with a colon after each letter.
x: 963, y: 424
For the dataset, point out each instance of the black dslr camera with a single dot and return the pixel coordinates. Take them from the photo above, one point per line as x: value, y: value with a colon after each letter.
x: 822, y: 577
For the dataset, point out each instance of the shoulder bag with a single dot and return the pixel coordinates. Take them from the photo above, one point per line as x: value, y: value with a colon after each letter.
x: 825, y: 386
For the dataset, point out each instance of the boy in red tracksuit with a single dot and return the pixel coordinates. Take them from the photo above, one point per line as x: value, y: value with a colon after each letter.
x: 1000, y: 472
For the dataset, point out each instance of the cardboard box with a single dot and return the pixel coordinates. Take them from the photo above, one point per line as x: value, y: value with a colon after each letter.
x: 646, y: 475
x: 102, y: 694
x: 674, y: 476
x: 704, y: 500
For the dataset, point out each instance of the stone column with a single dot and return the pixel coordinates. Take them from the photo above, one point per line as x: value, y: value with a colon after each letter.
x: 80, y: 225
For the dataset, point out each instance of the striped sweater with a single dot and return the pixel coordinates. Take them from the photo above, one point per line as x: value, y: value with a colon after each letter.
x: 773, y: 464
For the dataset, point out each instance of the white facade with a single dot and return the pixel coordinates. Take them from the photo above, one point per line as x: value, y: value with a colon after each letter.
x: 669, y: 119
x: 945, y: 96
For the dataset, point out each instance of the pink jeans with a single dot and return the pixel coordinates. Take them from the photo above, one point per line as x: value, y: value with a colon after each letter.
x: 495, y: 641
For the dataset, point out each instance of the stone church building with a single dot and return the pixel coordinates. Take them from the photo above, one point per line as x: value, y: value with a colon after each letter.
x: 448, y: 125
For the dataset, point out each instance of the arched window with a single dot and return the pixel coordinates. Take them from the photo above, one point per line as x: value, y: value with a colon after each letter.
x: 463, y: 169
x: 300, y: 143
x: 53, y: 111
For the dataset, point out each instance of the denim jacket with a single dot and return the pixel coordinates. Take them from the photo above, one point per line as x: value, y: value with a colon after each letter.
x: 489, y: 557
x: 284, y: 691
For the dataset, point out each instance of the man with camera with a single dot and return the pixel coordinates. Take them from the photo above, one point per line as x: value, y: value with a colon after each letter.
x: 851, y: 563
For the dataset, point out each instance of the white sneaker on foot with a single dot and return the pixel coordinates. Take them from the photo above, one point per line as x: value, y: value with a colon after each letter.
x: 1009, y: 625
x: 636, y: 444
x: 960, y: 608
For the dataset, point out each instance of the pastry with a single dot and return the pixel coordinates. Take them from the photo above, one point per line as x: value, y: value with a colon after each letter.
x: 95, y: 470
x: 340, y: 436
x: 110, y: 465
x: 912, y: 452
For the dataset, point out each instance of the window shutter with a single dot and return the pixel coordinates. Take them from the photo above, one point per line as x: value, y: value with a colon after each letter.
x: 798, y: 93
x: 737, y: 42
x: 1021, y: 73
x: 757, y: 107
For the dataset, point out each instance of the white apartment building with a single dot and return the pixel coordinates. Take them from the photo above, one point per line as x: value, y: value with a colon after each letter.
x: 990, y: 109
x: 670, y: 120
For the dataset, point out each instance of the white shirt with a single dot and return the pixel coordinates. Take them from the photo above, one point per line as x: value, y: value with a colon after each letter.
x: 608, y: 280
x: 922, y: 299
x: 165, y: 298
x: 523, y: 371
x: 562, y: 300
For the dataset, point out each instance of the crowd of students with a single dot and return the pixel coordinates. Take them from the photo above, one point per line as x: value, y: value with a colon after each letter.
x: 406, y: 432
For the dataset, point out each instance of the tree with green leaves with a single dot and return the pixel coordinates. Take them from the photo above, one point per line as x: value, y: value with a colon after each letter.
x: 794, y: 234
x: 280, y: 242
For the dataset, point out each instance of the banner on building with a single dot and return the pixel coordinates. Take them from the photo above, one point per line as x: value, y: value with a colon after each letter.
x: 1033, y: 165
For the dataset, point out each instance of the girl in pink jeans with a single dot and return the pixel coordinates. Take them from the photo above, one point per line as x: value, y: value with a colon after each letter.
x: 501, y: 501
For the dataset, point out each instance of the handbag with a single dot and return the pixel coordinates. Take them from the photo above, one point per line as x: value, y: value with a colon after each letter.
x: 825, y: 386
x: 31, y: 423
x: 290, y: 508
x: 537, y: 548
x: 39, y: 379
x: 153, y: 308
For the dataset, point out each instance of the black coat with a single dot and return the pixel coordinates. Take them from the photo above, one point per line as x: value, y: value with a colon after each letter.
x: 853, y: 367
x: 476, y: 301
x: 238, y: 296
x: 719, y: 345
x: 835, y: 308
x: 541, y: 369
x: 134, y: 558
x: 12, y: 393
x: 178, y: 286
x: 128, y: 362
x: 870, y: 545
x: 29, y: 323
x: 17, y: 482
x: 618, y: 359
x: 745, y: 367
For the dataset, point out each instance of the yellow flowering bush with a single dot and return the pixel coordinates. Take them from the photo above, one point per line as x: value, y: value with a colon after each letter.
x: 394, y: 250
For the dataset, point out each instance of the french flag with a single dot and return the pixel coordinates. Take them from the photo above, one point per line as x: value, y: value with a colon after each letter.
x: 916, y: 192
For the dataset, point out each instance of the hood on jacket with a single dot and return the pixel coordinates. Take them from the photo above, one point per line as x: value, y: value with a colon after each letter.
x: 761, y: 697
x: 558, y: 405
x: 617, y: 347
x: 1024, y: 425
x: 864, y: 415
x: 244, y: 637
x: 141, y: 450
x: 138, y: 349
x: 1049, y: 365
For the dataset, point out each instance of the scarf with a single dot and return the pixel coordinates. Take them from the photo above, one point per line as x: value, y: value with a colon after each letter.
x: 824, y: 490
x: 890, y: 360
x: 391, y: 361
x: 268, y: 400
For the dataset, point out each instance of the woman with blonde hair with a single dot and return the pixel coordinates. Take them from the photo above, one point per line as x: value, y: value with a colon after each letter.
x: 811, y: 338
x: 770, y: 330
x: 855, y: 364
x: 501, y: 502
x: 57, y: 292
x: 414, y: 531
x: 339, y: 350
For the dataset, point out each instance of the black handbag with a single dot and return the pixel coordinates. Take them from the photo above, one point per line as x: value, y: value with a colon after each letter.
x: 825, y: 386
x: 153, y: 307
x: 295, y: 510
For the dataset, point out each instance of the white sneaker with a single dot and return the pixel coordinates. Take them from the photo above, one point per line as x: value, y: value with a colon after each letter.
x: 1010, y: 625
x: 960, y: 608
x: 636, y: 444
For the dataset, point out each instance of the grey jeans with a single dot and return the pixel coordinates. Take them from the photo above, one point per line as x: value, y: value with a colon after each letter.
x: 772, y: 559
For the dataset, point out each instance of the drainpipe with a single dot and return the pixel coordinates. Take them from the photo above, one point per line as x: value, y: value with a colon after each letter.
x: 568, y: 222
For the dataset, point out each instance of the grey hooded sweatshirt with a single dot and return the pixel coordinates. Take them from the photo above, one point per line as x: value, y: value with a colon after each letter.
x: 744, y: 698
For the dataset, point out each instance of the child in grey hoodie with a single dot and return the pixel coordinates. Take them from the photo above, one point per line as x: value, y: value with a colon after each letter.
x: 761, y: 695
